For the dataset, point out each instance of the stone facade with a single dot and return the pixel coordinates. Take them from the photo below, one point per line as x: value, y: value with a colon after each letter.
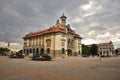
x: 55, y: 41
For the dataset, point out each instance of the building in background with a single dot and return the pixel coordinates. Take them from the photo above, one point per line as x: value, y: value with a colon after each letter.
x: 55, y: 41
x: 106, y: 49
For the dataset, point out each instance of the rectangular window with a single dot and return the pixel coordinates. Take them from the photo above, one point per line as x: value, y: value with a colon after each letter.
x: 63, y: 43
x: 48, y: 42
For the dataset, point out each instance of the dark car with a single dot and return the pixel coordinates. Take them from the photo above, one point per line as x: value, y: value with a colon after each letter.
x: 85, y: 55
x: 42, y: 58
x: 104, y: 56
x: 14, y: 55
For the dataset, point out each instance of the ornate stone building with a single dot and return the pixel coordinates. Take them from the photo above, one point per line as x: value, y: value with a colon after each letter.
x: 55, y: 41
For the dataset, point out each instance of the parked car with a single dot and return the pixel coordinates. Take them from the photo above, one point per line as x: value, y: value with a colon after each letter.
x: 85, y: 55
x: 16, y: 55
x: 44, y: 57
x: 104, y: 55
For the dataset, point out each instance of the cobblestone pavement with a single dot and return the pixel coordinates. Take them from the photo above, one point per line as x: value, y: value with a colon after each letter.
x: 72, y: 68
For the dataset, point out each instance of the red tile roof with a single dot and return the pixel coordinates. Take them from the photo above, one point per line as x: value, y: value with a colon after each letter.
x: 39, y: 33
x: 77, y: 36
x: 51, y: 30
x: 106, y: 44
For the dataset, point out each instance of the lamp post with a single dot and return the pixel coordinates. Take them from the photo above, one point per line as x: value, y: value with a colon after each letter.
x: 8, y: 47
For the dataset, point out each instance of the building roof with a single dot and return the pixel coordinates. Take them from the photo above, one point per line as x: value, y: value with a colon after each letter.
x: 39, y: 33
x: 106, y: 44
x: 51, y: 30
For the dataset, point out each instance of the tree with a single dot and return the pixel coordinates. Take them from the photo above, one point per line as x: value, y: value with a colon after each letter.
x: 93, y: 49
x: 3, y: 51
x: 85, y: 50
x: 20, y: 51
x: 116, y: 52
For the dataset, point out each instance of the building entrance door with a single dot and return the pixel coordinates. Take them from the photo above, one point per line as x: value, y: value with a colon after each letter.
x: 63, y: 51
x: 42, y: 51
x: 48, y: 50
x: 69, y: 52
x: 37, y: 51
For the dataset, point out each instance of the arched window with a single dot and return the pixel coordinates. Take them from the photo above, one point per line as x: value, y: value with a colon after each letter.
x: 27, y: 51
x: 79, y: 52
x: 48, y: 50
x: 24, y: 51
x: 30, y: 51
x: 33, y: 51
x: 63, y: 51
x: 37, y: 50
x: 42, y: 51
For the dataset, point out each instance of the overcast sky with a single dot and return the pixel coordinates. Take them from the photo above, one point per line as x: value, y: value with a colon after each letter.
x: 96, y: 21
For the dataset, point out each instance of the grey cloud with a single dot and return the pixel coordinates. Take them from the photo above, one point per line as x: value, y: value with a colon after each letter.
x: 98, y: 28
x: 18, y: 17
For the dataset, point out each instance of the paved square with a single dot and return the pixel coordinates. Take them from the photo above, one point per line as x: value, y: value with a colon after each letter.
x: 72, y: 68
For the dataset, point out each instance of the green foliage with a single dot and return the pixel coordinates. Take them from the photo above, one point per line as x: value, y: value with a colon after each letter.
x: 93, y: 49
x: 3, y: 51
x: 20, y: 51
x: 85, y: 50
x: 116, y: 51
